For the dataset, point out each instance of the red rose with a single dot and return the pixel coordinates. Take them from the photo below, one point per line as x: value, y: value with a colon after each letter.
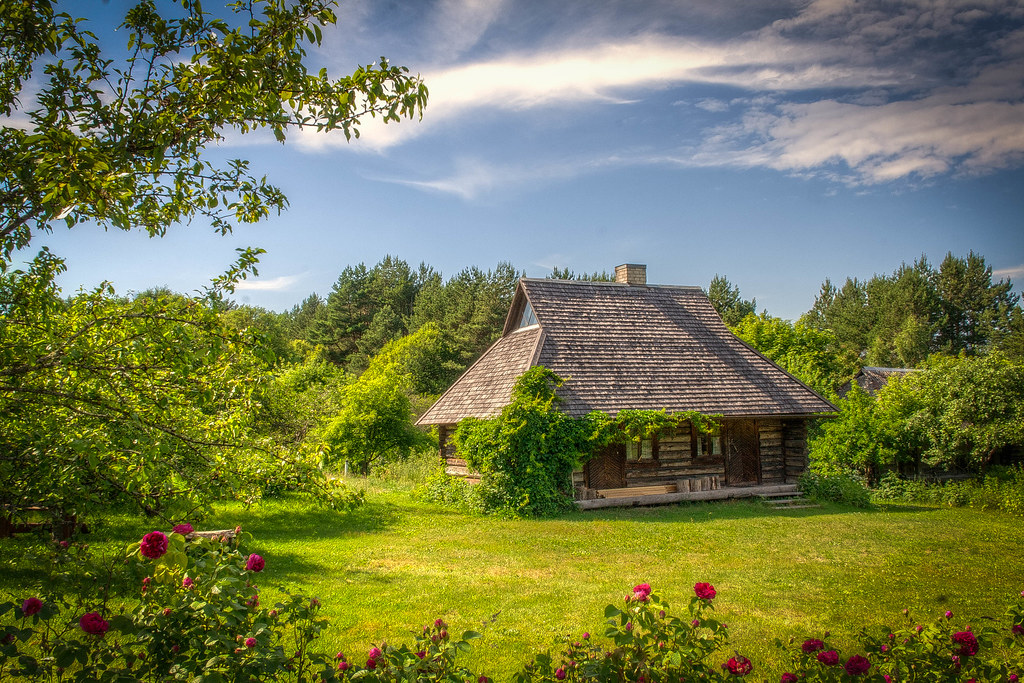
x: 738, y: 666
x: 93, y: 623
x: 812, y: 645
x: 705, y: 591
x: 857, y: 665
x: 967, y: 642
x: 788, y: 678
x: 153, y: 545
x: 829, y: 658
x: 31, y: 606
x: 255, y: 563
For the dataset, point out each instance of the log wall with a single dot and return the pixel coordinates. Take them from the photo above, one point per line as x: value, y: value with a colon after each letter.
x: 794, y: 447
x: 782, y: 443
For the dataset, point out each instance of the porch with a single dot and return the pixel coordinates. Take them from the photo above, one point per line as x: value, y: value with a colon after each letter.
x: 660, y: 495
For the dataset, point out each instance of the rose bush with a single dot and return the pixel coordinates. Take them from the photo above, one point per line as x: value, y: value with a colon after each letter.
x: 916, y: 651
x: 193, y: 613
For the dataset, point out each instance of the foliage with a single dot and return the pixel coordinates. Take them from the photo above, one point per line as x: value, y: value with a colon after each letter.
x: 969, y: 409
x: 725, y: 297
x: 939, y: 651
x: 1000, y: 489
x: 900, y: 319
x: 107, y: 401
x: 121, y: 143
x: 863, y: 437
x: 186, y: 607
x: 567, y: 274
x: 647, y: 644
x: 195, y: 612
x: 526, y: 455
x: 812, y: 356
x: 957, y: 414
x: 837, y: 487
x: 375, y: 419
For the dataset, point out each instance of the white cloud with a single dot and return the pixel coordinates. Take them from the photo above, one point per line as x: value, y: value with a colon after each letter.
x: 276, y: 284
x: 961, y: 129
x: 1013, y: 272
x: 606, y: 72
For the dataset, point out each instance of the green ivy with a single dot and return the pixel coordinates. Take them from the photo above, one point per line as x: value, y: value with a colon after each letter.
x: 526, y: 455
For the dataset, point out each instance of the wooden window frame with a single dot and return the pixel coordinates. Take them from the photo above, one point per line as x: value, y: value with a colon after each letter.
x: 699, y: 437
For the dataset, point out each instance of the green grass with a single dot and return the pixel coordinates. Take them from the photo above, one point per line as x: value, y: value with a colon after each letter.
x: 397, y: 563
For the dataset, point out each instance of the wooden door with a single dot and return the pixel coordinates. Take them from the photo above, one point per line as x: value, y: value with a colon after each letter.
x: 742, y: 453
x: 607, y: 469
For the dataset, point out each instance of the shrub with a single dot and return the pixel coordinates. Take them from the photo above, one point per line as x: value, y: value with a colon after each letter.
x: 1001, y: 489
x: 189, y: 610
x: 939, y: 651
x: 839, y: 487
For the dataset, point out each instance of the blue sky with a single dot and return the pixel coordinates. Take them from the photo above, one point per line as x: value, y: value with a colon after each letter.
x: 776, y: 143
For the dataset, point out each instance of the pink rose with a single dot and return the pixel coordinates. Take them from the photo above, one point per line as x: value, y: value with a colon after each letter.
x: 586, y: 636
x: 857, y: 665
x: 641, y: 592
x: 375, y: 653
x: 1018, y: 629
x: 967, y: 642
x: 949, y: 614
x: 187, y: 583
x: 812, y: 645
x: 255, y: 563
x: 788, y: 678
x: 343, y: 666
x: 738, y: 666
x: 153, y: 545
x: 250, y: 642
x: 828, y: 658
x: 31, y: 606
x: 371, y: 663
x: 93, y: 623
x: 183, y: 529
x: 705, y: 591
x: 560, y: 673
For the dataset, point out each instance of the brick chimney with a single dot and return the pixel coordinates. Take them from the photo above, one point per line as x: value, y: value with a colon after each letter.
x: 631, y: 274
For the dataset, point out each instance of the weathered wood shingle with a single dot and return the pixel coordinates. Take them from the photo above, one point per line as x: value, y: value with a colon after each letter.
x: 626, y: 346
x: 486, y: 387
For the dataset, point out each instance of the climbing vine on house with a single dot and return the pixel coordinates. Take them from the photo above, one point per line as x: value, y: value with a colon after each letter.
x: 526, y: 455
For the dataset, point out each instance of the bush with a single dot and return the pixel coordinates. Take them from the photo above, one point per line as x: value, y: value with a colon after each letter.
x: 1001, y: 489
x: 840, y: 487
x: 178, y: 607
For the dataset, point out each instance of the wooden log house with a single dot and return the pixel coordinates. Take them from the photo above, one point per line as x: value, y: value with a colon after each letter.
x: 630, y: 345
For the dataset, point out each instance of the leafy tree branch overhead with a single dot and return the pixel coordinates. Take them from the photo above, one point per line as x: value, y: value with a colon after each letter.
x: 89, y: 137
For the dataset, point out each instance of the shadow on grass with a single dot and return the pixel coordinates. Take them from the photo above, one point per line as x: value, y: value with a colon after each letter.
x: 719, y: 510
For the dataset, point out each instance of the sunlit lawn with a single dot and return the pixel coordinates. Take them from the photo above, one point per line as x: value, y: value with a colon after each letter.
x: 397, y: 563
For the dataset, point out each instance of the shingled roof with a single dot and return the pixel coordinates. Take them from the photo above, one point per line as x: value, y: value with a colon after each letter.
x: 619, y: 346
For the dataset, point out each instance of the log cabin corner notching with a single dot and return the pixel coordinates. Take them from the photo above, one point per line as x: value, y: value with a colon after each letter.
x: 629, y: 345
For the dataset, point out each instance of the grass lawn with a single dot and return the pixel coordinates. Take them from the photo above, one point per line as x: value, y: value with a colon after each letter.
x: 397, y: 563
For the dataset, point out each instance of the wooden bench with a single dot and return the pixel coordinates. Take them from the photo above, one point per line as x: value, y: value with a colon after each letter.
x: 629, y: 492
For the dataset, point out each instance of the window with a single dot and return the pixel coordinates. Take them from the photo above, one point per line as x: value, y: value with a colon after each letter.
x: 528, y: 317
x: 704, y: 445
x: 644, y: 450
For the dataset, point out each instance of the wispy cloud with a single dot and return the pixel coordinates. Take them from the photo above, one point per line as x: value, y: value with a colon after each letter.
x: 277, y: 284
x: 1013, y: 272
x: 862, y: 91
x: 608, y: 73
x: 969, y: 129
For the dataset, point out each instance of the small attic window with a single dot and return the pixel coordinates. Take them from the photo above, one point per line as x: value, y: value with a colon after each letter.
x: 528, y: 317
